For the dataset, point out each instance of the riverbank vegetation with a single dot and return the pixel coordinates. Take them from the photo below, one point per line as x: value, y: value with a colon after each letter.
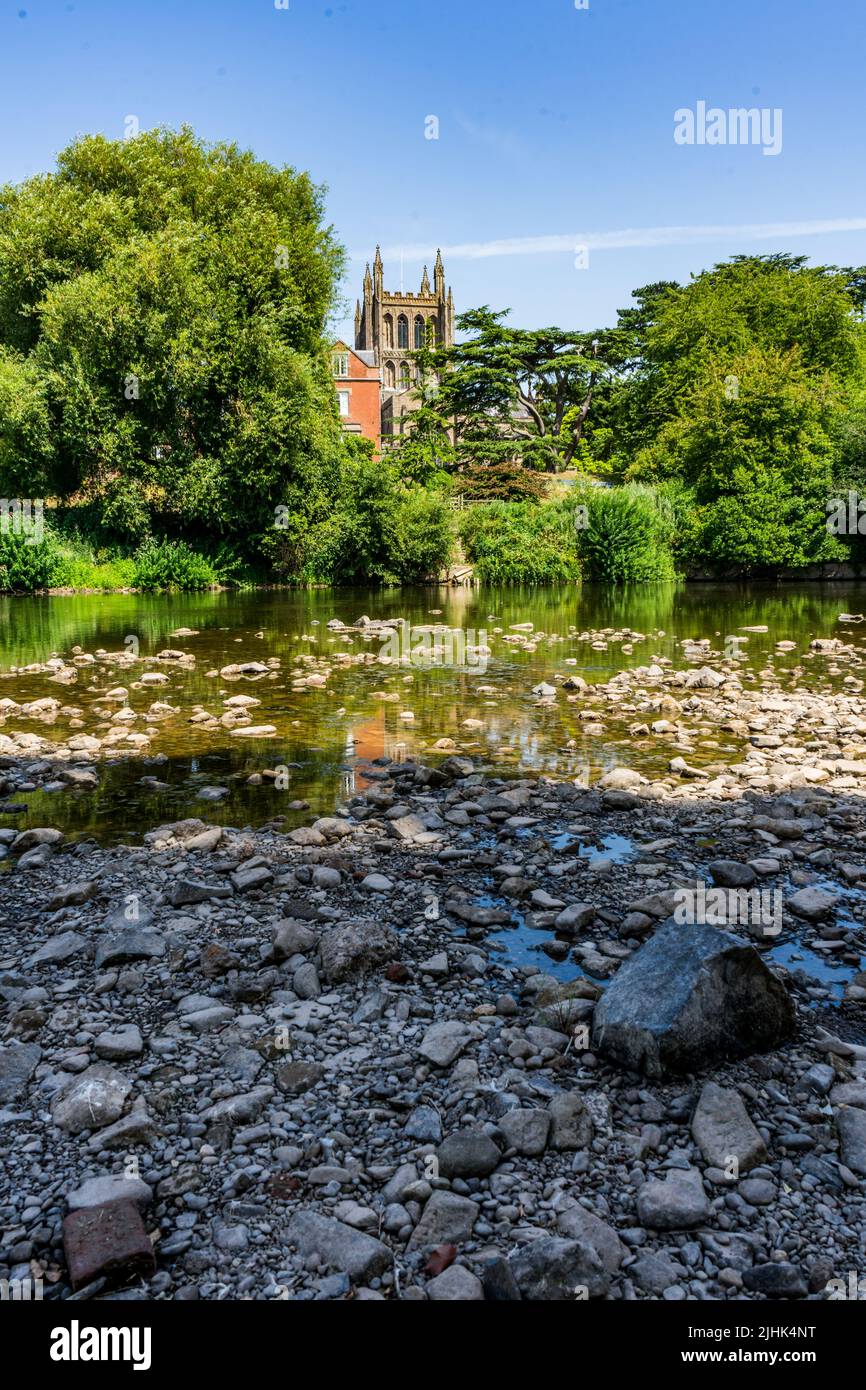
x: 165, y: 384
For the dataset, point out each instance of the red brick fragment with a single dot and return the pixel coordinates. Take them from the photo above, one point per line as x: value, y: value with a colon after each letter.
x: 109, y: 1242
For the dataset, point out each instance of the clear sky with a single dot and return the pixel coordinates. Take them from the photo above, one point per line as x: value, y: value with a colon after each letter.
x: 555, y: 125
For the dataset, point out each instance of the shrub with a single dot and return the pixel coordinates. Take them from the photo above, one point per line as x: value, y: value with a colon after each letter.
x: 521, y: 543
x: 380, y: 532
x: 503, y: 482
x: 623, y: 540
x: 419, y: 538
x: 171, y: 565
x: 25, y: 567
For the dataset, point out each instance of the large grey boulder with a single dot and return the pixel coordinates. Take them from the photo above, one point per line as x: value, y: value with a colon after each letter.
x: 691, y: 996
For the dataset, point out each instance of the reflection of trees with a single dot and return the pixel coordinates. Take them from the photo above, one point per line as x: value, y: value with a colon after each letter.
x: 441, y: 697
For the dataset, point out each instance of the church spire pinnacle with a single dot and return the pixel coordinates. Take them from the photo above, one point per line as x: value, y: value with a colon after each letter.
x: 439, y: 276
x: 425, y: 282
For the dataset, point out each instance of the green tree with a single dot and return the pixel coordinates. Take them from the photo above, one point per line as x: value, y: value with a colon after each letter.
x: 512, y: 393
x: 163, y: 306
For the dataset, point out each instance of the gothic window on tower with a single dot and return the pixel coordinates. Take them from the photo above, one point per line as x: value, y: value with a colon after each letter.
x: 431, y: 333
x: 419, y: 332
x: 404, y: 375
x: 389, y: 331
x: 402, y: 331
x: 390, y: 376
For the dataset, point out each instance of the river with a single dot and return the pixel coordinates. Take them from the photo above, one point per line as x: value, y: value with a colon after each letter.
x: 327, y: 735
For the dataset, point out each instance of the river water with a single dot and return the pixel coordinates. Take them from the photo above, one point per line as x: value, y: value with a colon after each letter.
x: 327, y: 735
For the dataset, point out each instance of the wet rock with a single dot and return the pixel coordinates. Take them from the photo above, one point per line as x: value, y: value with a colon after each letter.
x: 691, y: 995
x: 730, y: 873
x: 812, y: 903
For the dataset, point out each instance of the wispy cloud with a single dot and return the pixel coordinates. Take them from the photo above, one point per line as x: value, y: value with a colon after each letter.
x: 640, y: 237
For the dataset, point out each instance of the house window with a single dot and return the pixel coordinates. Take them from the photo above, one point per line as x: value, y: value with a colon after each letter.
x: 419, y: 332
x: 340, y: 361
x: 344, y: 397
x: 402, y: 331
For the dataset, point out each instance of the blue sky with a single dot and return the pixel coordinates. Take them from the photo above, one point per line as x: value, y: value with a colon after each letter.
x: 556, y: 125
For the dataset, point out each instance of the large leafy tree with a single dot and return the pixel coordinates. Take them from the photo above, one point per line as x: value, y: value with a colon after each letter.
x: 163, y: 306
x: 509, y: 393
x: 680, y: 334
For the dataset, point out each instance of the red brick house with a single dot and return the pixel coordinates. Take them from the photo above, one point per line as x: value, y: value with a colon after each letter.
x: 358, y: 383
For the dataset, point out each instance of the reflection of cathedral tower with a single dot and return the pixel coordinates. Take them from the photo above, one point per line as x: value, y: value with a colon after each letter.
x: 394, y: 325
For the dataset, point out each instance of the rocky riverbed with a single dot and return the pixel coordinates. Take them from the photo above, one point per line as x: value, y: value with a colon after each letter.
x: 453, y: 1042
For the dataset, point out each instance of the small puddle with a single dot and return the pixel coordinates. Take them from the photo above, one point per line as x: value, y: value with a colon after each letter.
x: 819, y: 968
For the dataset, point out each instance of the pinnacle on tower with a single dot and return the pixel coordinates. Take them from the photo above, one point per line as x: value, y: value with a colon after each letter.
x: 439, y: 275
x: 425, y: 282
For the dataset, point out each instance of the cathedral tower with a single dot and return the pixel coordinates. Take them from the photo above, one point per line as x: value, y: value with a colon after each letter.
x: 393, y: 325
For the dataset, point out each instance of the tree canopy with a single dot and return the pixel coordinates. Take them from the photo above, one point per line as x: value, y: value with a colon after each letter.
x: 163, y: 307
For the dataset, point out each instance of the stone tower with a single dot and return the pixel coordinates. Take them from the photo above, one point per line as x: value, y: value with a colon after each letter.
x: 393, y: 325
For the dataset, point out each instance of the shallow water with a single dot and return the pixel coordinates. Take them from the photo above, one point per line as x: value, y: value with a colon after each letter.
x: 326, y: 737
